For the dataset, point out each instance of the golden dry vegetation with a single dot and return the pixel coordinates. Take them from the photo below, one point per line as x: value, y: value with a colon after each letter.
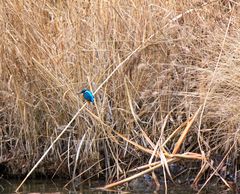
x: 189, y: 58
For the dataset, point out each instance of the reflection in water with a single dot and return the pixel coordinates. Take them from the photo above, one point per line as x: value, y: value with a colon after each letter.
x: 56, y: 187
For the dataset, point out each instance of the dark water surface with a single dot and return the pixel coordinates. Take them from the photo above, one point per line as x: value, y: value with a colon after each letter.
x: 56, y: 187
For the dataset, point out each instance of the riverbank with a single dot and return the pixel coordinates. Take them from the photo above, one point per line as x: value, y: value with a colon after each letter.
x: 56, y: 186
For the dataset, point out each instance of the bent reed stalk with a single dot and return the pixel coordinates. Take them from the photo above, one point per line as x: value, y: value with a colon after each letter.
x: 74, y: 117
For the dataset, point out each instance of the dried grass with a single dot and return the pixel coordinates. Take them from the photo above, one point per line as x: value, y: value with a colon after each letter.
x: 50, y: 50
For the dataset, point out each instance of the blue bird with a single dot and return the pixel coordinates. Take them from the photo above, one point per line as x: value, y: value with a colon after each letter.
x: 88, y: 95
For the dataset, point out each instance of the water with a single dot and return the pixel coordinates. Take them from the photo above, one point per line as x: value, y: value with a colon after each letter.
x: 56, y: 187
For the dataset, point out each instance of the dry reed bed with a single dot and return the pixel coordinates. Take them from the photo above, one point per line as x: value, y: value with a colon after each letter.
x: 52, y: 49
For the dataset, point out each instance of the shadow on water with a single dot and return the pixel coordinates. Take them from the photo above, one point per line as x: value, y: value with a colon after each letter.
x: 56, y: 187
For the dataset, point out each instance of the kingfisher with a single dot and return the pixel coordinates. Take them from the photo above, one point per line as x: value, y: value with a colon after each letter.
x: 88, y: 95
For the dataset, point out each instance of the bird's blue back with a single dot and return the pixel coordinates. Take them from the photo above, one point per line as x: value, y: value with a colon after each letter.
x: 88, y: 96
